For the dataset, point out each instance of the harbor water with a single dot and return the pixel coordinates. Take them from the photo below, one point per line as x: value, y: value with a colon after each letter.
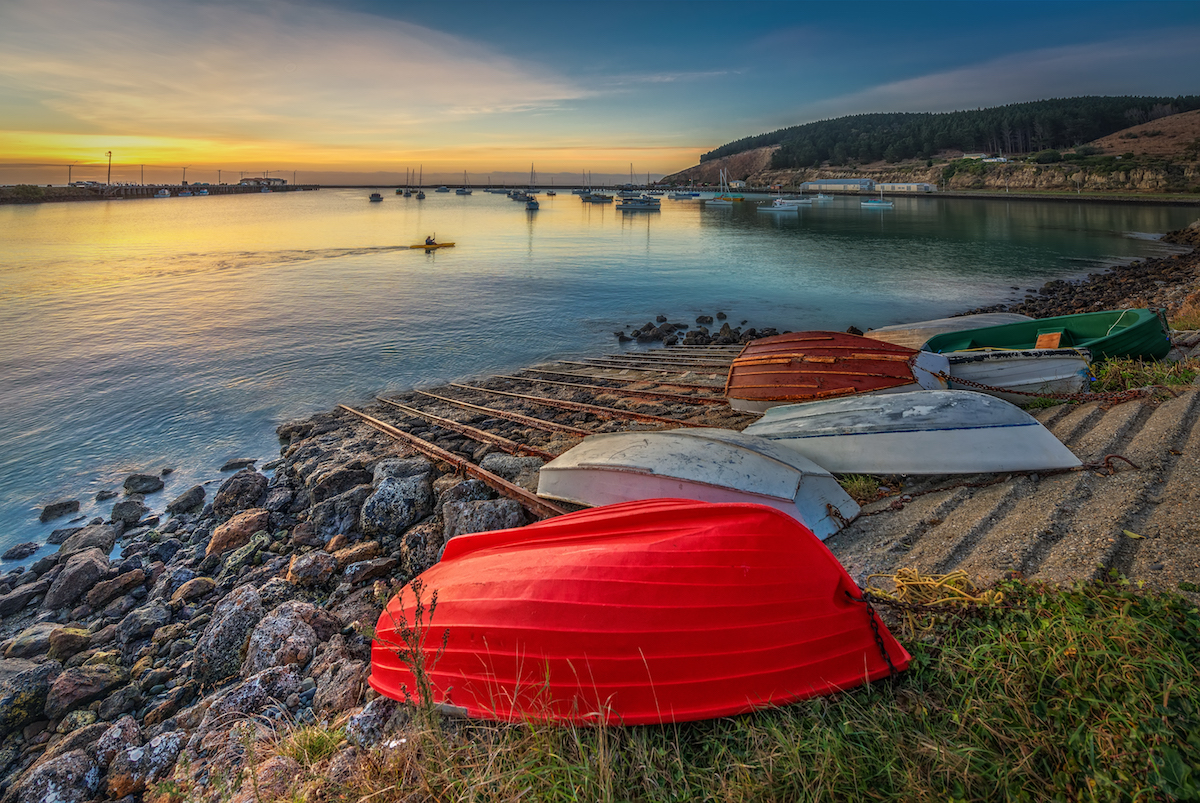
x: 178, y: 333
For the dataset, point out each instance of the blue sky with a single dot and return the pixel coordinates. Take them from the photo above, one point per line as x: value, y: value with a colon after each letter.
x: 367, y: 86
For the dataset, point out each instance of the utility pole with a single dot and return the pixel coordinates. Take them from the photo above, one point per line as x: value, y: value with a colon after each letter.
x: 109, y: 155
x: 72, y: 164
x: 218, y: 177
x: 185, y: 175
x: 143, y: 175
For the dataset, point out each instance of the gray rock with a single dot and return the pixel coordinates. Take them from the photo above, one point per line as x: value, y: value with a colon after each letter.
x: 133, y: 770
x: 143, y: 484
x: 124, y: 700
x: 189, y: 500
x: 81, y: 572
x: 170, y: 581
x: 341, y: 687
x: 288, y: 635
x: 239, y: 492
x: 60, y: 508
x: 336, y: 481
x: 339, y: 514
x: 70, y: 778
x: 253, y: 695
x: 365, y: 570
x: 243, y: 556
x: 366, y: 728
x: 105, y: 495
x: 129, y: 511
x: 218, y: 653
x: 93, y: 536
x: 396, y: 468
x: 511, y: 467
x: 21, y: 551
x: 21, y: 596
x: 275, y: 591
x: 120, y: 736
x: 24, y: 686
x: 107, y: 590
x: 476, y: 517
x: 311, y: 569
x: 238, y: 463
x: 61, y: 534
x: 397, y: 504
x: 142, y: 622
x: 32, y: 641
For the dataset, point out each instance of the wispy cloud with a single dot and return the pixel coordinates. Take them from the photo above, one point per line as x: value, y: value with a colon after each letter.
x: 1165, y: 63
x: 265, y: 69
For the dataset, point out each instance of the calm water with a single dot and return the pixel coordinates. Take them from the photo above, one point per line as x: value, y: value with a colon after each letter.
x: 145, y: 334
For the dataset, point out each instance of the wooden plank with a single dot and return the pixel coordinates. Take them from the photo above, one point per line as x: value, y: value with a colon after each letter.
x: 538, y: 507
x: 651, y: 394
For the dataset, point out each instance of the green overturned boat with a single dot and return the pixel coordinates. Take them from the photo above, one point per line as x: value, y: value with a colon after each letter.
x: 1137, y: 333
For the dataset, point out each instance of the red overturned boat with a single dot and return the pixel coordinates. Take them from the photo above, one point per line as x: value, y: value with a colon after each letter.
x: 653, y: 611
x: 805, y: 366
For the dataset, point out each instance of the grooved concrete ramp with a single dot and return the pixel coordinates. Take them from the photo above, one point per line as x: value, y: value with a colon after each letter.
x: 1058, y: 527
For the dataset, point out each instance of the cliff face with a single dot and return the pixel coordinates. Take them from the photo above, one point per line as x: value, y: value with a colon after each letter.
x: 957, y: 176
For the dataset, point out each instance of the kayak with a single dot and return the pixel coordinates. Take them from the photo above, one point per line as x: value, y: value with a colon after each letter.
x: 647, y: 612
x: 1137, y: 333
x: 431, y: 247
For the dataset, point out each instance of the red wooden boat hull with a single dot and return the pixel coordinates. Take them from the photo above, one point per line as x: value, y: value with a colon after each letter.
x: 653, y: 611
x: 803, y: 366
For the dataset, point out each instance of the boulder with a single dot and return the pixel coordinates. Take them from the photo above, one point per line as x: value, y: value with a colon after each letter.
x: 275, y: 591
x: 218, y: 653
x: 67, y: 641
x: 238, y: 463
x: 21, y: 551
x: 32, y: 641
x: 194, y: 589
x: 94, y: 536
x: 477, y: 517
x: 129, y: 511
x: 398, y: 468
x: 288, y: 635
x: 124, y: 700
x: 396, y: 504
x: 363, y: 550
x: 77, y: 720
x: 237, y: 531
x: 80, y: 573
x: 252, y: 695
x: 339, y: 514
x: 141, y: 623
x: 326, y: 485
x: 311, y: 569
x: 367, y: 727
x: 60, y: 508
x: 70, y: 778
x: 21, y: 596
x: 189, y: 500
x: 517, y: 470
x: 341, y: 687
x: 120, y: 736
x: 79, y: 685
x: 134, y: 769
x: 273, y: 779
x: 243, y: 556
x: 239, y: 492
x: 107, y: 590
x: 143, y: 484
x: 420, y: 547
x: 365, y: 570
x: 170, y: 581
x: 24, y: 687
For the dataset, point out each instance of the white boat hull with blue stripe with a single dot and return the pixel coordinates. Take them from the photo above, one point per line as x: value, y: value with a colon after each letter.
x: 922, y: 432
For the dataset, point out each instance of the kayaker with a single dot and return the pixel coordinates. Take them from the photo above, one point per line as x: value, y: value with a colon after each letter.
x: 429, y: 241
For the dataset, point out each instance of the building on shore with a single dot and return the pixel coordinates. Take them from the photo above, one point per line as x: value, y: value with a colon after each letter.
x: 263, y: 182
x: 974, y: 156
x: 839, y: 185
x: 906, y: 187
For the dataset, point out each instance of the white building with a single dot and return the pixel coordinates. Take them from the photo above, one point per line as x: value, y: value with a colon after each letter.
x: 839, y: 185
x: 909, y: 187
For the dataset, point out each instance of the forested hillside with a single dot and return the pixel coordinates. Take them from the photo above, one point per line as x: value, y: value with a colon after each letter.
x: 1016, y: 128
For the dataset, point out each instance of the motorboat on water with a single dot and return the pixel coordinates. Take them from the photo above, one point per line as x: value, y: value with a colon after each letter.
x: 600, y: 198
x: 442, y: 189
x: 202, y: 192
x: 920, y: 432
x: 376, y: 197
x: 643, y: 203
x: 876, y: 203
x: 708, y: 465
x: 779, y: 205
x: 532, y: 204
x: 648, y: 612
x: 806, y: 366
x: 163, y: 194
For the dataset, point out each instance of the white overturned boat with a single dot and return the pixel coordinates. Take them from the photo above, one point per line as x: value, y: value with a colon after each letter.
x: 1032, y: 371
x: 914, y: 335
x: 922, y: 432
x: 708, y: 465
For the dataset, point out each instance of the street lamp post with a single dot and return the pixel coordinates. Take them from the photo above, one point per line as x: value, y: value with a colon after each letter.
x: 109, y: 155
x: 218, y: 177
x: 184, y: 181
x: 72, y: 164
x: 143, y: 175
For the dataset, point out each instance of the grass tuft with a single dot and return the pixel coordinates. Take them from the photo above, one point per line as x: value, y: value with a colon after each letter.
x: 310, y: 744
x: 1188, y: 317
x: 862, y: 488
x: 1081, y: 693
x: 1127, y: 374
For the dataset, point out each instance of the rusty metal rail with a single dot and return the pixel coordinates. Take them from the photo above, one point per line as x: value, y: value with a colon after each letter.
x: 650, y: 394
x: 623, y: 379
x: 512, y: 447
x: 603, y: 412
x: 645, y: 358
x: 536, y: 423
x: 716, y: 370
x: 538, y: 507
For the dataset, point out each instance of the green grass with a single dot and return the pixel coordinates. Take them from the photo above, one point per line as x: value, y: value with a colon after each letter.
x: 310, y: 744
x: 1125, y: 374
x: 1187, y: 319
x: 862, y: 488
x: 1086, y: 693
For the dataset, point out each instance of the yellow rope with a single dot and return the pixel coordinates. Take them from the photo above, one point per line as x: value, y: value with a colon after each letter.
x: 914, y: 588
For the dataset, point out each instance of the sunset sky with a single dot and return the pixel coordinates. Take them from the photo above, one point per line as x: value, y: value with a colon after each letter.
x: 360, y: 90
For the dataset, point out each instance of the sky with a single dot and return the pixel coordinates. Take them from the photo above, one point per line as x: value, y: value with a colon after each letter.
x: 361, y: 91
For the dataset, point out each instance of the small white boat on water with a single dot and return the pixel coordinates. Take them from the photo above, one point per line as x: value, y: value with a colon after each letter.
x: 1032, y: 371
x: 644, y: 203
x: 876, y: 203
x: 163, y: 194
x: 708, y: 465
x: 779, y: 205
x: 922, y: 432
x: 914, y: 335
x: 531, y: 204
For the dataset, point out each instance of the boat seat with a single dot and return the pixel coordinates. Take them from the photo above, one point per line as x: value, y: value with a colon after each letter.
x: 1053, y: 338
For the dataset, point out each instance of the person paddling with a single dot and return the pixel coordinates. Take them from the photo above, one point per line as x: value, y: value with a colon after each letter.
x: 429, y: 241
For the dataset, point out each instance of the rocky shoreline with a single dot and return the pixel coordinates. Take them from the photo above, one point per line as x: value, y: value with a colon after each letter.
x: 152, y: 672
